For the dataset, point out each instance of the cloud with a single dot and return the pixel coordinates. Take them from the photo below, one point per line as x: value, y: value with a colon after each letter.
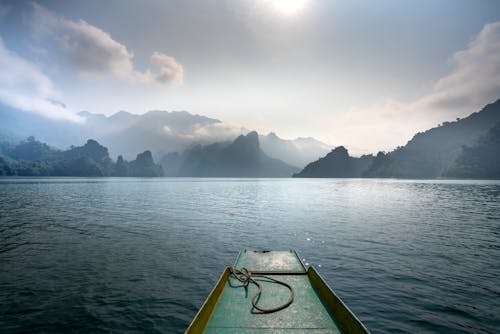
x: 473, y: 82
x: 475, y: 79
x: 219, y: 131
x: 23, y: 86
x: 213, y: 132
x: 94, y: 53
x: 169, y: 70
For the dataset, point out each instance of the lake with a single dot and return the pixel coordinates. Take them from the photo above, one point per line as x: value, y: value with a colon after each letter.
x: 141, y: 255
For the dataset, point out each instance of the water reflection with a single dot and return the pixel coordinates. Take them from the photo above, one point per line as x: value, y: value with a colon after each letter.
x: 142, y: 254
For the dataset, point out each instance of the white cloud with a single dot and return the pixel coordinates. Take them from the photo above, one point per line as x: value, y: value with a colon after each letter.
x: 169, y: 70
x: 475, y: 79
x: 473, y: 82
x: 23, y: 86
x: 219, y: 132
x: 213, y: 132
x: 93, y: 52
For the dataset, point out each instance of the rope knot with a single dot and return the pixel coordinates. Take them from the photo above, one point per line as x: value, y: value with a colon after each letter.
x: 246, y: 277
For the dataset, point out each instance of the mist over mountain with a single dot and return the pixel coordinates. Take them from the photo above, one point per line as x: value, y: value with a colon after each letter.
x: 430, y: 154
x: 16, y: 125
x: 205, y: 146
x: 464, y: 148
x: 160, y: 132
x: 123, y: 133
x: 297, y: 152
x: 241, y: 158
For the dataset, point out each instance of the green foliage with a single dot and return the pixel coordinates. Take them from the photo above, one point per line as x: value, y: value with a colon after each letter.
x: 32, y: 150
x: 81, y: 166
x: 431, y: 153
x: 33, y: 158
x: 337, y: 163
x: 382, y: 166
x: 144, y: 166
x: 121, y: 167
x: 241, y: 158
x: 449, y: 150
x: 5, y: 169
x: 481, y: 161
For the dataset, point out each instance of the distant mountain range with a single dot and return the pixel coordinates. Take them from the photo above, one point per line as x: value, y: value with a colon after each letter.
x: 194, y: 145
x: 465, y: 148
x: 34, y: 158
x: 160, y: 132
x: 297, y: 152
x: 241, y: 158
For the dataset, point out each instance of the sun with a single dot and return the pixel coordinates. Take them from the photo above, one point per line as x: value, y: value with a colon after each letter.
x: 289, y: 7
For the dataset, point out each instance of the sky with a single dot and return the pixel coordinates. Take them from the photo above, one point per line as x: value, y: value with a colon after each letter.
x: 364, y: 74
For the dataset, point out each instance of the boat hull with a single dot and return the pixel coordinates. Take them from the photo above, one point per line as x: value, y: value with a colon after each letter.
x: 315, y: 309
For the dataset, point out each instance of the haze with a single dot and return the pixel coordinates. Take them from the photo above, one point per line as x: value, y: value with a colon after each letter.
x: 361, y: 74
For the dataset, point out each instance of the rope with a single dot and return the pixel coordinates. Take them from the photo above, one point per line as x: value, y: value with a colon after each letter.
x: 246, y: 277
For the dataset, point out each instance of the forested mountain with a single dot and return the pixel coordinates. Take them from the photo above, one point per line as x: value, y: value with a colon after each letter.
x: 123, y: 133
x: 480, y: 161
x: 463, y: 148
x: 158, y: 131
x: 241, y: 158
x: 34, y: 158
x: 337, y: 163
x: 429, y: 154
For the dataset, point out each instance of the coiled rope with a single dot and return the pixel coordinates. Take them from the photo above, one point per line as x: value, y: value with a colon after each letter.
x: 246, y: 277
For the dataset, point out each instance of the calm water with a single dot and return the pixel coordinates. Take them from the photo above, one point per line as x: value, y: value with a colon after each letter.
x: 141, y: 255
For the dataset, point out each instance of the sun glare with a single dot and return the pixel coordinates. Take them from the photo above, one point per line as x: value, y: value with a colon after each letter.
x: 289, y: 7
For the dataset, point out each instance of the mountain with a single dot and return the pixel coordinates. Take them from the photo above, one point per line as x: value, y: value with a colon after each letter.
x: 480, y: 161
x: 158, y: 131
x: 431, y: 153
x: 337, y: 163
x: 30, y: 150
x: 16, y: 125
x: 34, y: 158
x: 465, y: 148
x: 123, y: 133
x: 297, y: 152
x: 144, y: 166
x: 241, y: 158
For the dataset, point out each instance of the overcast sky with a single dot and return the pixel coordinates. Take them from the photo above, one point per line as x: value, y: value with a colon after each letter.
x: 364, y: 74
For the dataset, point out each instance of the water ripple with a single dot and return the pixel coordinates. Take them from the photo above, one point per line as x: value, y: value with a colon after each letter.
x: 128, y: 255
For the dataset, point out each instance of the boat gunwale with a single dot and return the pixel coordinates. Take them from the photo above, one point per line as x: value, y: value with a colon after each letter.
x: 337, y: 300
x: 325, y: 293
x: 198, y: 323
